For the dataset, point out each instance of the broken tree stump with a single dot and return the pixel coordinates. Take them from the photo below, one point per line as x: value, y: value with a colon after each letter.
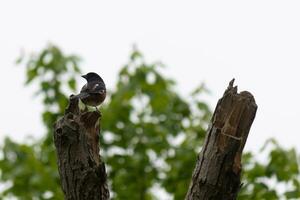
x: 218, y: 167
x: 81, y: 170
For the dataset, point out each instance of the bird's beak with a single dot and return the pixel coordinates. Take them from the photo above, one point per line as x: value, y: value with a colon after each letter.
x: 83, y: 76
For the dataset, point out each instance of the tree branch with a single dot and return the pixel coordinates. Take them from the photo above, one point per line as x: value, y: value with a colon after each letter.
x: 82, y: 172
x: 218, y: 168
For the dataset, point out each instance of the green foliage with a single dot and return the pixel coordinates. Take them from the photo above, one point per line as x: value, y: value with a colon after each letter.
x: 150, y: 134
x: 278, y: 178
x: 150, y: 137
x: 30, y: 171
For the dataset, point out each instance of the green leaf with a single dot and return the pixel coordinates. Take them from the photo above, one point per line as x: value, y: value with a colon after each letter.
x: 72, y: 84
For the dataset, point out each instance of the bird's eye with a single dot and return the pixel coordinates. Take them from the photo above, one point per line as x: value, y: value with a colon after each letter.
x: 102, y: 91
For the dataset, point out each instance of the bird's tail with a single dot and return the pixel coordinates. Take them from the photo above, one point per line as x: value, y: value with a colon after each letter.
x: 79, y: 96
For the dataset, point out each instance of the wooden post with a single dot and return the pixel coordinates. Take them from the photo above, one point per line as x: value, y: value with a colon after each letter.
x: 218, y: 168
x: 82, y: 172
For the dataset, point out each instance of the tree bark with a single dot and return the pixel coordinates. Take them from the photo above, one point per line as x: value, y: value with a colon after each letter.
x: 218, y: 168
x: 82, y: 172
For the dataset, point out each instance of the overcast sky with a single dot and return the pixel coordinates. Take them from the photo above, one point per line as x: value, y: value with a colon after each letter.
x: 257, y: 42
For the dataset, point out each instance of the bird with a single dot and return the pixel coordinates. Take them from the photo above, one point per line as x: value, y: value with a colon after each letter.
x: 93, y: 93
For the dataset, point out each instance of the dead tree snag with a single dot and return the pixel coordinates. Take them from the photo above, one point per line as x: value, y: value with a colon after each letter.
x: 218, y: 168
x: 82, y: 172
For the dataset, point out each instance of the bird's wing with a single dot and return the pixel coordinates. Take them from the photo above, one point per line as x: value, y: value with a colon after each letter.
x: 95, y: 87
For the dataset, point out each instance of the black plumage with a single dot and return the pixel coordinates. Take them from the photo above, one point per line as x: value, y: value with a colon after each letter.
x: 93, y: 92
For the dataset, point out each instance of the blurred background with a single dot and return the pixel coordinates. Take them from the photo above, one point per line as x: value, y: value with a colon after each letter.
x: 164, y: 63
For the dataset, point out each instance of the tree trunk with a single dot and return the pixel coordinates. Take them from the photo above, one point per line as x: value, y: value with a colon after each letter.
x: 82, y: 173
x: 218, y: 168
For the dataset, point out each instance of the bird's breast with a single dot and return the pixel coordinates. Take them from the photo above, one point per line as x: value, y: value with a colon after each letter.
x: 94, y: 99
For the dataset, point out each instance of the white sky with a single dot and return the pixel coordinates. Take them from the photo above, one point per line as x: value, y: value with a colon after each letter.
x: 257, y: 42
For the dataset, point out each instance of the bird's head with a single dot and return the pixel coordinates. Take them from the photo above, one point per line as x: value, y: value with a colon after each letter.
x: 92, y: 76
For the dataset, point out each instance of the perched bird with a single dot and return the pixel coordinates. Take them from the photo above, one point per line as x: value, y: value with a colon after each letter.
x: 93, y: 92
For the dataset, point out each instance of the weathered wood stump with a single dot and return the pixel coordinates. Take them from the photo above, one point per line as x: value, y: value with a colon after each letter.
x: 218, y: 168
x: 82, y: 172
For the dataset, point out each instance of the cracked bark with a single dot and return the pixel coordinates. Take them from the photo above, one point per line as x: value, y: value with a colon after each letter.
x: 82, y: 172
x: 218, y: 168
